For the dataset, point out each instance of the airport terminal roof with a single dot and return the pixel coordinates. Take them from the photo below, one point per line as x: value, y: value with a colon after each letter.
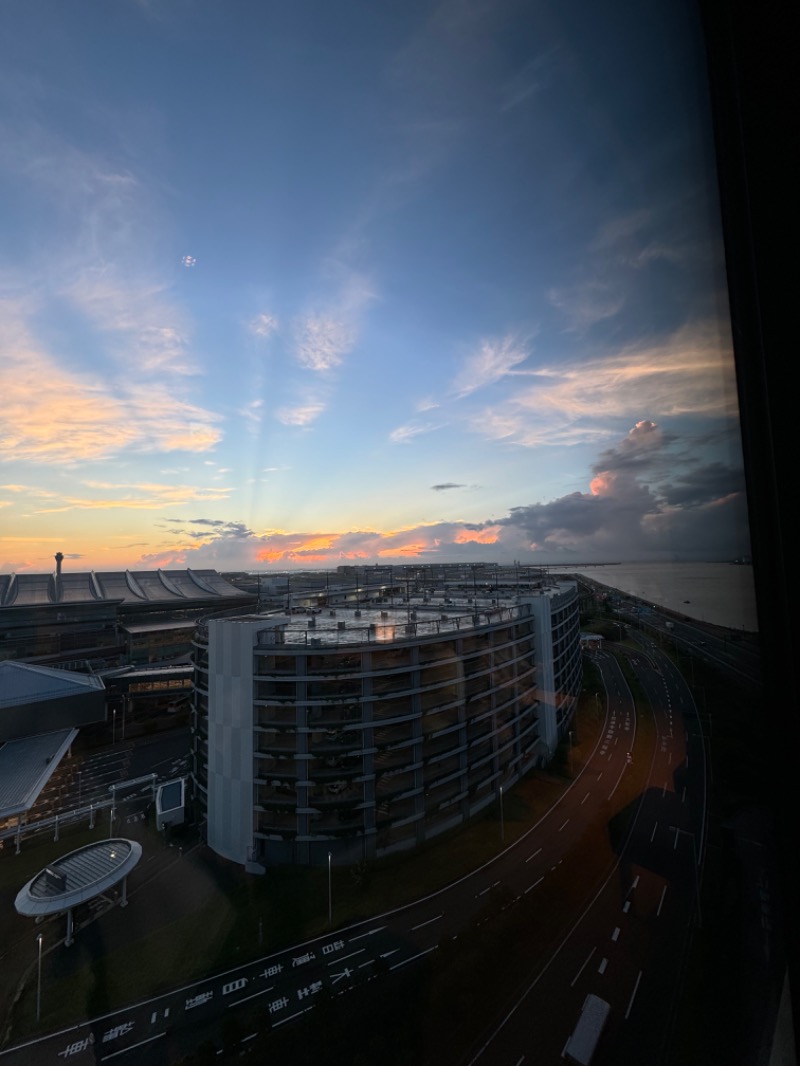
x: 22, y: 683
x: 158, y: 587
x: 27, y: 765
x: 88, y: 872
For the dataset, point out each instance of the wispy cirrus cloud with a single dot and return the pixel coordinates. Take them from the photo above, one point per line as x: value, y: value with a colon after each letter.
x: 493, y: 360
x: 689, y: 374
x: 300, y: 414
x: 403, y: 434
x: 263, y: 325
x: 322, y: 341
x: 143, y: 496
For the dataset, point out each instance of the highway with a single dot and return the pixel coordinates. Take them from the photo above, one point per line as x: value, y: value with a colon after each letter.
x: 629, y: 943
x: 625, y: 941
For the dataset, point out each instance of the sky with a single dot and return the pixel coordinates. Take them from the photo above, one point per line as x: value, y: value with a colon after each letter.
x: 302, y: 285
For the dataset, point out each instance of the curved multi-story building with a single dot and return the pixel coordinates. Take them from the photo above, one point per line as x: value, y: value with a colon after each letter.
x: 360, y: 731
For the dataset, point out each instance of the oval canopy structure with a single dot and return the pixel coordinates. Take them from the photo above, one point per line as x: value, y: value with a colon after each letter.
x: 77, y: 877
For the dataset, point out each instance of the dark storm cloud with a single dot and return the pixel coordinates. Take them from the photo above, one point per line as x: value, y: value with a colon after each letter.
x: 698, y: 487
x: 213, y: 529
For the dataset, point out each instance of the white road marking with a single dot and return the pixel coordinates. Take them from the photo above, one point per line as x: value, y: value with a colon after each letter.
x: 341, y: 958
x: 633, y: 995
x: 535, y: 883
x: 149, y: 1040
x: 368, y: 933
x: 297, y: 1014
x: 652, y: 835
x: 602, y: 967
x: 627, y: 907
x: 661, y: 901
x: 538, y: 850
x: 427, y: 951
x: 421, y: 924
x: 586, y: 963
x: 244, y: 999
x: 562, y: 826
x: 585, y: 798
x: 615, y: 934
x: 614, y: 789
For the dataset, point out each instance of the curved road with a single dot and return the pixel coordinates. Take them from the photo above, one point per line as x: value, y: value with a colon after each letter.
x: 626, y: 944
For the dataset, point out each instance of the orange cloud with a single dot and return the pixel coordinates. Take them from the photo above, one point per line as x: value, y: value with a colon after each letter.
x: 490, y: 535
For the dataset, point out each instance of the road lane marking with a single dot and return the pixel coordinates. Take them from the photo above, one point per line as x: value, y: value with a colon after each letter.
x: 485, y: 890
x: 253, y: 996
x: 297, y: 1014
x: 652, y: 835
x: 538, y: 850
x: 585, y: 798
x: 614, y: 789
x: 368, y: 933
x: 586, y: 963
x: 661, y: 901
x: 615, y: 934
x: 633, y: 995
x: 683, y: 795
x: 124, y: 1051
x: 635, y: 883
x: 427, y: 951
x: 627, y: 907
x: 602, y: 967
x: 421, y: 924
x: 341, y: 958
x: 562, y: 826
x: 535, y: 883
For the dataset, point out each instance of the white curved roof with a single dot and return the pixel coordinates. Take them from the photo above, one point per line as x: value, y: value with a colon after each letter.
x: 89, y: 871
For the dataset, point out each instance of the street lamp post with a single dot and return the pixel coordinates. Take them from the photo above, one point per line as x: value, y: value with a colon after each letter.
x: 39, y: 940
x: 330, y: 893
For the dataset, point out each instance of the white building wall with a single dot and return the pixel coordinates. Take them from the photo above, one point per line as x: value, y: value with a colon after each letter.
x: 540, y: 606
x: 230, y: 736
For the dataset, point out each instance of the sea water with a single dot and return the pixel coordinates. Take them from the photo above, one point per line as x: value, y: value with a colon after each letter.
x: 720, y: 593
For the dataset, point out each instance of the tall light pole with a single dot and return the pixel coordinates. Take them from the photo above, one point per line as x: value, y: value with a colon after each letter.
x: 39, y: 940
x: 502, y: 818
x: 330, y: 894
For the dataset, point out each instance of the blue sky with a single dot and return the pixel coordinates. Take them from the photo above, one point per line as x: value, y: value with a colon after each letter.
x: 295, y: 285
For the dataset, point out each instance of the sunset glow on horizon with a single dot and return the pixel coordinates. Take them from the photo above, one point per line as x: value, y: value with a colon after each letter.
x: 294, y: 287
